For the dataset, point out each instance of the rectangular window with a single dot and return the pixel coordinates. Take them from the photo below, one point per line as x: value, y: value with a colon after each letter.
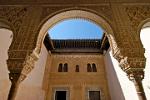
x: 60, y: 95
x: 94, y: 95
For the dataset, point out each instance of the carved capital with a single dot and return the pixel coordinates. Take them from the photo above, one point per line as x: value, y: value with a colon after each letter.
x: 135, y: 74
x: 128, y: 63
x: 14, y: 76
x: 132, y: 61
x: 133, y: 67
x: 19, y: 66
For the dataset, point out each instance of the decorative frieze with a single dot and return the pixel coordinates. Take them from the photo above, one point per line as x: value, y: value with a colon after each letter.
x: 77, y: 56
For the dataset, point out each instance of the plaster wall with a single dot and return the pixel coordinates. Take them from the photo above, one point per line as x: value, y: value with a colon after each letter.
x: 113, y: 83
x: 31, y: 87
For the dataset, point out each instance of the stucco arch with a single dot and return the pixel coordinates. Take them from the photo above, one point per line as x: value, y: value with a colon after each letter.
x: 143, y: 24
x: 67, y: 14
x: 144, y: 39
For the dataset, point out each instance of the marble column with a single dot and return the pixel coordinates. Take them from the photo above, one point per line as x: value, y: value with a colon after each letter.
x: 136, y: 77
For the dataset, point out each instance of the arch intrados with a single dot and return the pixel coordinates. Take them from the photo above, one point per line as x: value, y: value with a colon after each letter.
x: 70, y: 15
x: 144, y: 24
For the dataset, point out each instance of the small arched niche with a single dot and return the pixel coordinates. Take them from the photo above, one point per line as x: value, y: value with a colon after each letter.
x: 6, y: 36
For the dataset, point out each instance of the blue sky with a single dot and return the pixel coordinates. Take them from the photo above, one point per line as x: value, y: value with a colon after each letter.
x: 75, y: 29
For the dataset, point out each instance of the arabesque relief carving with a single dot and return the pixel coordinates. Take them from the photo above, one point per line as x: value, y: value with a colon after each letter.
x: 137, y: 14
x: 29, y: 64
x: 128, y: 63
x: 14, y: 15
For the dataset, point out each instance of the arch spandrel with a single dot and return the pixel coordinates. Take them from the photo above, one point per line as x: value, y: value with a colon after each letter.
x: 138, y: 16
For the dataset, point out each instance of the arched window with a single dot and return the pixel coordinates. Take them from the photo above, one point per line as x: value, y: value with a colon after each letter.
x: 65, y: 68
x: 77, y: 68
x: 89, y: 69
x: 60, y: 67
x: 94, y: 69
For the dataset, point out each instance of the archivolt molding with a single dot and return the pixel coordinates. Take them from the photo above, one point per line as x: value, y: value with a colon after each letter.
x: 71, y: 14
x: 28, y: 64
x: 114, y: 47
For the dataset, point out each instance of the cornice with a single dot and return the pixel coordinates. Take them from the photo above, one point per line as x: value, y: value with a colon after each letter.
x: 71, y: 2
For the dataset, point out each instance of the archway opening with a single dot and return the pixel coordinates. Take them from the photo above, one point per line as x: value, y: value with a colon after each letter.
x: 97, y: 45
x: 6, y: 36
x: 144, y: 35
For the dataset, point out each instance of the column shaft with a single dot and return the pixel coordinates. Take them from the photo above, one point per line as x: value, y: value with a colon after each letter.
x: 139, y: 89
x: 13, y: 91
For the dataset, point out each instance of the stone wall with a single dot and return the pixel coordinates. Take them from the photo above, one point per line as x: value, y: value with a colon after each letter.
x: 78, y: 83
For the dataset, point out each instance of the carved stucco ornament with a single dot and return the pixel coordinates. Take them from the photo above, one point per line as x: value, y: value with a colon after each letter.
x: 137, y: 14
x: 114, y: 47
x: 14, y: 15
x: 133, y: 66
x: 28, y: 65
